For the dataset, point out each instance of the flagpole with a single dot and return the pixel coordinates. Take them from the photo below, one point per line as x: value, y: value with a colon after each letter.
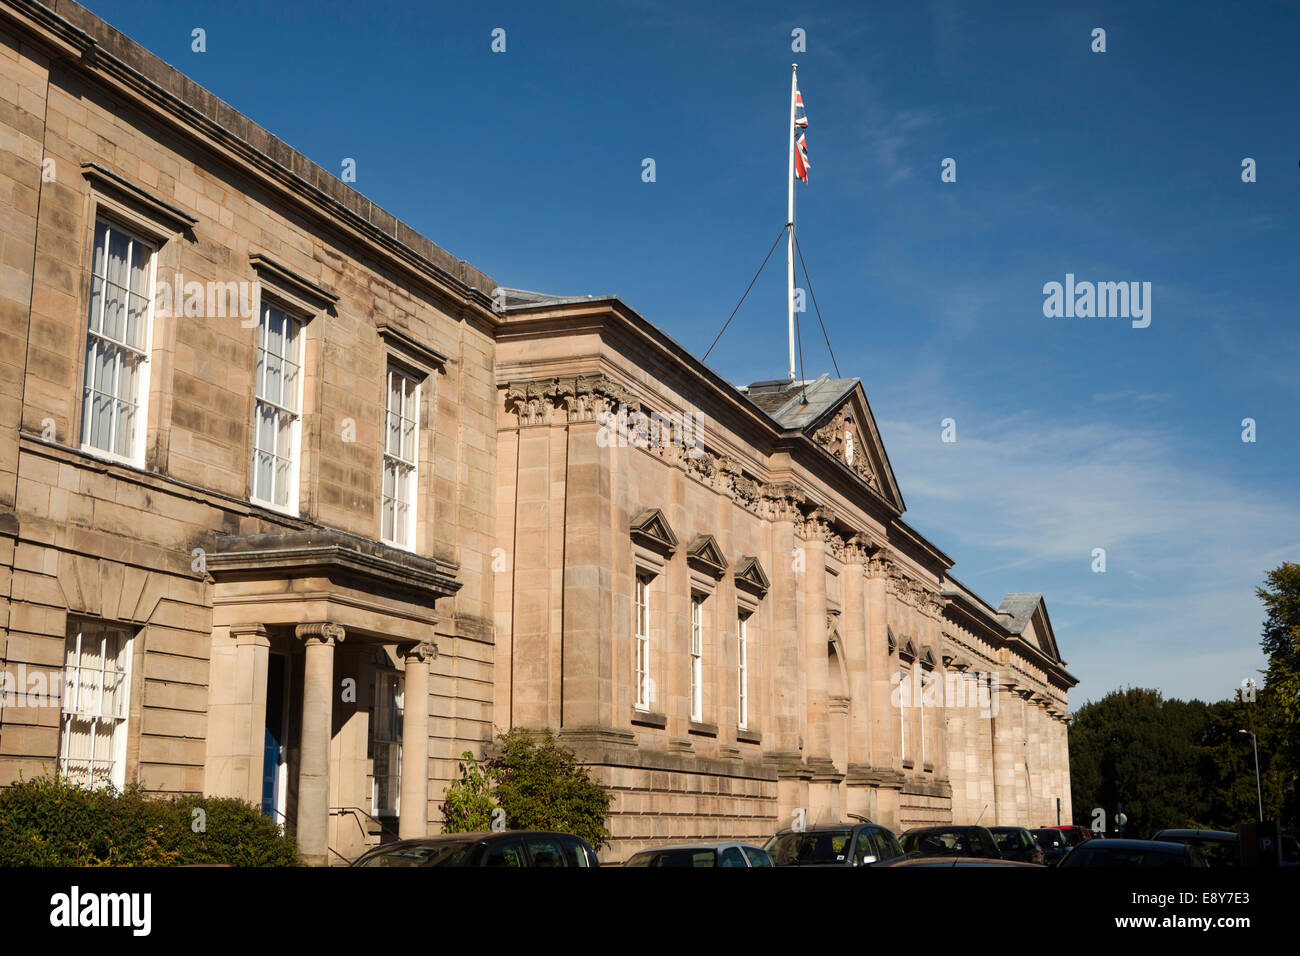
x: 789, y: 257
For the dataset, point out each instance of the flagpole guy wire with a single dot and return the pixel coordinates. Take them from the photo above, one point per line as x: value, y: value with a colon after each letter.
x: 775, y: 243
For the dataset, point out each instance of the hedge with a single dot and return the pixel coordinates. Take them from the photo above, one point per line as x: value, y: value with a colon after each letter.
x: 49, y: 821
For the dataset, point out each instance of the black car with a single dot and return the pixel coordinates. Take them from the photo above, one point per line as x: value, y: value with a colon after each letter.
x: 1053, y: 843
x: 1133, y: 854
x: 1220, y: 848
x: 837, y: 844
x: 507, y: 848
x: 1017, y: 843
x: 706, y: 853
x: 952, y: 841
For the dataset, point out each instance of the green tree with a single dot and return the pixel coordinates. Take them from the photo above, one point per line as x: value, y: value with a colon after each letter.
x: 538, y: 783
x: 467, y: 804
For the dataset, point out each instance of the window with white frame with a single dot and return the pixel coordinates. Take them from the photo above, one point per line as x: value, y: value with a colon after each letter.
x: 697, y: 657
x: 401, y: 442
x: 903, y: 678
x: 642, y: 642
x: 386, y: 743
x: 117, y: 343
x: 742, y: 669
x: 96, y: 688
x: 277, y: 419
x: 925, y: 681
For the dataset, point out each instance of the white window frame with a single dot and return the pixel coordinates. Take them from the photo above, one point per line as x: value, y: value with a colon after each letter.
x: 697, y: 657
x: 85, y: 704
x: 382, y: 702
x: 904, y: 676
x: 742, y: 669
x: 94, y: 339
x: 294, y: 457
x: 921, y: 706
x: 406, y: 472
x: 642, y: 630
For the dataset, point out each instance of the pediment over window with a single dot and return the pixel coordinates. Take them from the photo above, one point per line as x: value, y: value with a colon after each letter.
x: 927, y: 658
x: 704, y: 554
x: 907, y: 649
x: 651, y: 529
x: 751, y: 577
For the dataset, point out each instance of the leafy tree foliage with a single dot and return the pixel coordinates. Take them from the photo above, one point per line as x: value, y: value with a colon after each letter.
x: 538, y: 783
x: 1176, y: 763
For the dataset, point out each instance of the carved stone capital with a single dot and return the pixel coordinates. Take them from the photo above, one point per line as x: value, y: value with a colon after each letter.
x: 423, y: 652
x: 324, y: 632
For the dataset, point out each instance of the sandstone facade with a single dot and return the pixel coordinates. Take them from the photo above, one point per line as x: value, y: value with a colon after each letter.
x: 297, y: 507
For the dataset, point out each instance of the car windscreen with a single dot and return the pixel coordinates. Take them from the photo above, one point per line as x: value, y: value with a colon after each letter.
x: 822, y: 846
x: 438, y: 854
x: 941, y: 843
x: 683, y: 858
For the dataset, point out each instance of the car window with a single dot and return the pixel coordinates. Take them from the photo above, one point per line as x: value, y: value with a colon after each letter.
x: 574, y: 852
x: 439, y: 854
x: 826, y: 846
x: 756, y: 856
x: 679, y: 858
x: 509, y: 854
x: 887, y: 845
x: 985, y: 839
x: 731, y: 856
x: 864, y: 847
x: 545, y: 852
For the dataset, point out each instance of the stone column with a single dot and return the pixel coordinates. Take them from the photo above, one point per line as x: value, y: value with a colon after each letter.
x: 414, y: 819
x: 314, y: 761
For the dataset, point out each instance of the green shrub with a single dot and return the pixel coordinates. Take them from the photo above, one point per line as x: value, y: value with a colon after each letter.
x: 538, y: 783
x: 52, y: 822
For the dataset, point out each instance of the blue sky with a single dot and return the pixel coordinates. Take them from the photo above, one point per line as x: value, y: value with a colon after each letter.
x: 1072, y: 434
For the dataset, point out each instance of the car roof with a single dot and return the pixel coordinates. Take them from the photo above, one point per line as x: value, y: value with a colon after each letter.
x: 951, y: 829
x: 475, y: 837
x: 828, y: 828
x: 697, y: 845
x: 1153, y: 845
x: 1198, y: 834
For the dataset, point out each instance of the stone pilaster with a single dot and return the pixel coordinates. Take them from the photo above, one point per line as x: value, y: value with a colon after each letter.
x: 237, y: 712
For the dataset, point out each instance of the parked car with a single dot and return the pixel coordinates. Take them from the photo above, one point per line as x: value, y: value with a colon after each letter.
x: 1220, y: 848
x: 951, y: 841
x: 1074, y: 836
x: 715, y: 853
x: 1017, y: 843
x: 837, y: 844
x: 1053, y: 844
x: 1131, y: 854
x: 508, y: 848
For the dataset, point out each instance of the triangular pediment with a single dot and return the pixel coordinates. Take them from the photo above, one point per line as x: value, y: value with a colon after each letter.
x: 704, y: 554
x: 651, y: 529
x: 751, y: 577
x: 1029, y: 621
x: 907, y: 649
x: 847, y: 431
x: 927, y: 658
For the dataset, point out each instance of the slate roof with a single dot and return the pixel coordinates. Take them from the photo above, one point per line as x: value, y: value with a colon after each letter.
x: 783, y: 400
x: 1021, y: 607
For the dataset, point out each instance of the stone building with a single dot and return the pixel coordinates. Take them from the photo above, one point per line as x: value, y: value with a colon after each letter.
x: 297, y: 507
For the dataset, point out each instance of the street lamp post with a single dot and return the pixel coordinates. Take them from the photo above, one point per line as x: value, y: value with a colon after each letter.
x: 1259, y: 794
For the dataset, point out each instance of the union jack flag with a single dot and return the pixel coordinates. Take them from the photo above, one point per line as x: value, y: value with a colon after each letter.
x: 801, y: 164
